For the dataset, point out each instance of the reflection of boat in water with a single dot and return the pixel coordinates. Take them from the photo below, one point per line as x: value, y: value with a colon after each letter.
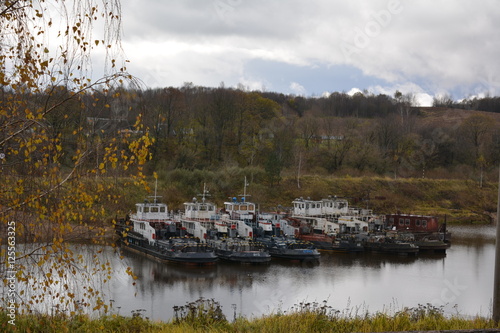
x: 154, y: 233
x: 289, y: 248
x: 240, y: 250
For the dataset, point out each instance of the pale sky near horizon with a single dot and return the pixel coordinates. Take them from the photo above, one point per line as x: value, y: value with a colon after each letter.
x: 317, y: 47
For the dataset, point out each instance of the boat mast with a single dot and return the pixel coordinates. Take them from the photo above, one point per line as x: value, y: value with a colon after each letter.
x: 155, y: 197
x: 156, y: 188
x: 245, y: 188
x: 205, y: 192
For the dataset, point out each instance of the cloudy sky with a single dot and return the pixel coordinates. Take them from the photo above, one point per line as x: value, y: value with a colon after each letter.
x: 316, y: 47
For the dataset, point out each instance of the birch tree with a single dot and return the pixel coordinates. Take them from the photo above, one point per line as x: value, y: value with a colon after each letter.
x: 53, y: 190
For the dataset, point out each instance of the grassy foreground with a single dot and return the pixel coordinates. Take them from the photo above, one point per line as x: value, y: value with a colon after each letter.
x: 204, y: 317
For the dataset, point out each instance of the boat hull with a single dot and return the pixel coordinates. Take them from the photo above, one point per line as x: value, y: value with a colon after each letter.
x: 329, y: 243
x: 290, y: 249
x: 252, y: 257
x: 395, y: 248
x: 302, y: 255
x: 169, y: 255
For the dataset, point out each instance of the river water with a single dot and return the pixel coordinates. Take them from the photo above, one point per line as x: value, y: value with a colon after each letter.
x: 461, y: 281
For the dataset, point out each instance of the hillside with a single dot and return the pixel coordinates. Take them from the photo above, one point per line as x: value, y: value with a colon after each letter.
x: 451, y: 117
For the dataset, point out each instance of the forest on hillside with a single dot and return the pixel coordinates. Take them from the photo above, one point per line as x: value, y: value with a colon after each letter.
x: 195, y: 127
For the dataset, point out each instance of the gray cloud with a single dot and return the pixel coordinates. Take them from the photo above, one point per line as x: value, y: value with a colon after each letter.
x: 437, y: 45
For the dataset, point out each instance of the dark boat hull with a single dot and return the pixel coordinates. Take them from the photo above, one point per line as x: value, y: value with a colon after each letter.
x: 396, y: 248
x: 328, y: 243
x: 170, y: 255
x: 432, y: 246
x: 290, y: 249
x: 295, y: 254
x: 346, y: 246
x: 251, y: 257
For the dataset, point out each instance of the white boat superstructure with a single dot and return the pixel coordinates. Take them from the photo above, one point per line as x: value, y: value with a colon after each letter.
x: 352, y: 224
x: 149, y: 218
x: 334, y: 207
x: 265, y: 221
x: 200, y: 216
x: 333, y: 215
x: 331, y: 207
x: 307, y: 207
x: 240, y: 215
x: 319, y: 225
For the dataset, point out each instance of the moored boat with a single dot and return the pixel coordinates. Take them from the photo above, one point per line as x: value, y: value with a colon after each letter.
x: 200, y: 218
x: 347, y: 243
x: 290, y: 248
x: 241, y: 250
x: 240, y: 216
x: 151, y: 231
x: 187, y: 250
x: 429, y: 234
x: 432, y: 244
x: 390, y: 243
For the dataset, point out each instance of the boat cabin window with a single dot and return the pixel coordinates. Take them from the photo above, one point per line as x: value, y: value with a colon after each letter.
x: 401, y: 222
x: 424, y: 223
x: 391, y: 220
x: 407, y: 222
x: 146, y: 209
x: 154, y: 209
x: 162, y: 209
x: 417, y: 223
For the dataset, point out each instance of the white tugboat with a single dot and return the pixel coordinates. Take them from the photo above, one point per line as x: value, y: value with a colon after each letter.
x: 200, y: 218
x: 240, y: 215
x: 151, y: 231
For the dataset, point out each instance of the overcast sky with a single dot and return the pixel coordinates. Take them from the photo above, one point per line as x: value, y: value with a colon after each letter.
x: 316, y: 47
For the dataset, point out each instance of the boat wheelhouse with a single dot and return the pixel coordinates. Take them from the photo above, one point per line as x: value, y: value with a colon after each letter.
x: 307, y: 207
x: 152, y: 220
x: 241, y: 215
x: 334, y: 207
x: 200, y: 218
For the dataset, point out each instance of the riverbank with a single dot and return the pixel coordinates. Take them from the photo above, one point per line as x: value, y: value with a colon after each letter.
x: 204, y: 317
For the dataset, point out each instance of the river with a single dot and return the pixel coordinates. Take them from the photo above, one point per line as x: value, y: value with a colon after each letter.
x: 461, y: 282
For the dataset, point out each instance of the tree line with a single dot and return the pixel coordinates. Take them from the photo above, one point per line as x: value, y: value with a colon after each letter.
x: 194, y: 127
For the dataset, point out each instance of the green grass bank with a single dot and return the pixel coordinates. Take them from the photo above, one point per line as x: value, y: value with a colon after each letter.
x: 306, y: 318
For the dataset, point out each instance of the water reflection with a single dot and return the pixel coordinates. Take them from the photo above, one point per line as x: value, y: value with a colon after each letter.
x: 359, y: 282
